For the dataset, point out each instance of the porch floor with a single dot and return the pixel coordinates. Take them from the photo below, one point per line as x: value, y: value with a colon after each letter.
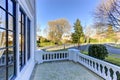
x: 62, y: 70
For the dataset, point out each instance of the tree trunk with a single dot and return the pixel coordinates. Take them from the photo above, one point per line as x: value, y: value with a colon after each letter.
x: 78, y: 45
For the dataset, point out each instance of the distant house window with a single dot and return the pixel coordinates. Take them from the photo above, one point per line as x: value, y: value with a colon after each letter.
x: 7, y: 39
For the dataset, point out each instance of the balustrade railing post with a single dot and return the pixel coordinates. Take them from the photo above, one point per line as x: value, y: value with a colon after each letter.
x: 108, y: 74
x: 39, y: 56
x: 95, y: 67
x: 114, y: 75
x: 70, y: 54
x: 98, y: 70
x: 104, y: 74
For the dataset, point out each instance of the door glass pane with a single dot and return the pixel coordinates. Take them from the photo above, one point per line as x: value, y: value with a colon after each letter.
x: 19, y: 21
x: 10, y: 21
x: 2, y: 64
x: 10, y: 6
x: 23, y: 52
x: 10, y: 62
x: 2, y: 38
x: 19, y: 16
x: 2, y: 3
x: 21, y: 48
x: 28, y: 39
x: 2, y: 19
x: 23, y: 18
x: 10, y: 38
x: 22, y: 29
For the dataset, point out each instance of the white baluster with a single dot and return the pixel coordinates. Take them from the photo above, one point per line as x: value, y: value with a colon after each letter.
x: 114, y: 75
x: 59, y: 56
x: 54, y: 56
x: 108, y: 74
x: 48, y: 56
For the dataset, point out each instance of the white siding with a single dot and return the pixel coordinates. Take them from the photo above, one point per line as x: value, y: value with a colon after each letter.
x: 29, y: 9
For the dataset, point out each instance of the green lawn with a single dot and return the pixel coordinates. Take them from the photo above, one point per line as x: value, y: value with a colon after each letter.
x: 43, y: 44
x: 113, y: 60
x: 58, y: 50
x: 84, y: 52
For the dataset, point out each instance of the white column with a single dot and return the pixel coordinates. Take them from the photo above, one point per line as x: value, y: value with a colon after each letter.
x: 26, y: 39
x: 38, y: 56
x: 17, y: 38
x: 35, y: 48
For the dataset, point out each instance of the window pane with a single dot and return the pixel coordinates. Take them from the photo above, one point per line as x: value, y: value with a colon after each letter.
x: 22, y: 52
x: 10, y: 62
x: 23, y: 18
x: 2, y: 38
x: 2, y: 3
x: 3, y: 64
x: 28, y: 39
x: 10, y: 38
x: 19, y: 22
x: 2, y: 19
x: 19, y: 27
x: 21, y: 45
x: 10, y: 6
x: 19, y: 15
x: 20, y: 57
x: 10, y: 21
x: 22, y: 38
x: 23, y: 28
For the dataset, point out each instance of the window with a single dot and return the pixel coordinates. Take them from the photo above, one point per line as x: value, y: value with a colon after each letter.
x: 7, y: 39
x: 22, y: 38
x: 28, y: 39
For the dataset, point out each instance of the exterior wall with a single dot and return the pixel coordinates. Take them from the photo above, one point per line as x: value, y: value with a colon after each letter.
x: 30, y: 11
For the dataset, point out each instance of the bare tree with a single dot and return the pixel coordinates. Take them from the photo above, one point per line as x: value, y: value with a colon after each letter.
x: 57, y: 28
x: 100, y: 27
x: 108, y: 12
x: 38, y: 30
x: 89, y: 32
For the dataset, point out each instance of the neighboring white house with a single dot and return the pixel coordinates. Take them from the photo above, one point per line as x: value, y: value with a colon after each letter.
x: 18, y: 22
x: 66, y: 37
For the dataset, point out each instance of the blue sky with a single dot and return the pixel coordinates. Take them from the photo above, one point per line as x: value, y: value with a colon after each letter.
x: 48, y: 10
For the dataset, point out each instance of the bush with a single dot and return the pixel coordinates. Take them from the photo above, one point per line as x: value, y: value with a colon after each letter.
x: 98, y: 51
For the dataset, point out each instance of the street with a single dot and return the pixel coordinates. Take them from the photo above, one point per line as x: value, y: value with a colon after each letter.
x: 110, y: 49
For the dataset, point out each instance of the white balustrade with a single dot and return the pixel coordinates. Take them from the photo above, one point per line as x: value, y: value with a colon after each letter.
x: 94, y: 65
x: 104, y: 69
x: 3, y: 60
x: 54, y: 56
